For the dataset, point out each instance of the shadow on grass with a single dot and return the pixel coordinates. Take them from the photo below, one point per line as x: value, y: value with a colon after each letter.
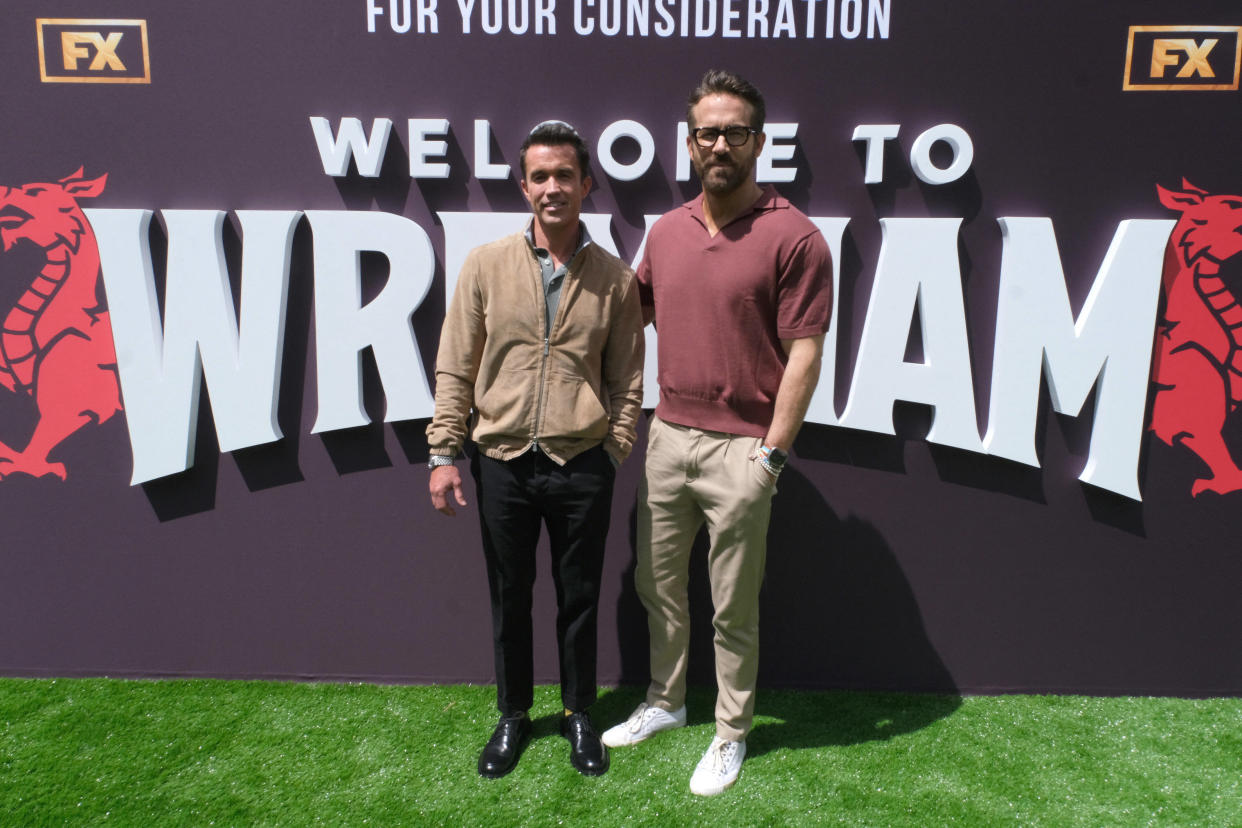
x: 549, y: 725
x: 615, y: 705
x: 841, y: 718
x: 794, y: 719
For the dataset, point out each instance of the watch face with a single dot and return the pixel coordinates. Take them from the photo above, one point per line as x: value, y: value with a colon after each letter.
x: 778, y: 457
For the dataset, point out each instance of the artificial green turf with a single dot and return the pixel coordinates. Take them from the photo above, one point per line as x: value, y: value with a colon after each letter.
x: 88, y: 752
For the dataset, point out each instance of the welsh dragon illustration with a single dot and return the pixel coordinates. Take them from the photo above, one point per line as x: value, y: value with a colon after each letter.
x: 1198, y: 365
x: 56, y: 341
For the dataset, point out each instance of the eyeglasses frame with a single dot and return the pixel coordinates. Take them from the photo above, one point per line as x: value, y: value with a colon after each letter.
x: 694, y: 133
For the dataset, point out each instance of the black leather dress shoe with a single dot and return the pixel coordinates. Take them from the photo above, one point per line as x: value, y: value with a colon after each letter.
x: 501, y: 752
x: 586, y: 752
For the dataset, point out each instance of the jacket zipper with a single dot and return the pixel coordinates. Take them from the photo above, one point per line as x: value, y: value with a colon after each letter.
x: 543, y: 362
x: 543, y: 367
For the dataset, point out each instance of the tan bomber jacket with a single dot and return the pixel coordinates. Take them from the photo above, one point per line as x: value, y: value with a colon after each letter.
x: 581, y: 387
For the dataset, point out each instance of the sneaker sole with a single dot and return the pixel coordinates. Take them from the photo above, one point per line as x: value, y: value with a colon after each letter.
x: 714, y: 791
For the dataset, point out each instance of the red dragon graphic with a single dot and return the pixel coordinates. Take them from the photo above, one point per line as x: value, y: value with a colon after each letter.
x: 56, y: 342
x: 1198, y: 366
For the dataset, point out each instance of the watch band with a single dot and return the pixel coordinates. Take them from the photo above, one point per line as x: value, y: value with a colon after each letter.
x: 773, y: 459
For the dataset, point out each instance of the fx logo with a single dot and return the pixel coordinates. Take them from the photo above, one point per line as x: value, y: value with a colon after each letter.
x: 93, y: 51
x: 1183, y: 58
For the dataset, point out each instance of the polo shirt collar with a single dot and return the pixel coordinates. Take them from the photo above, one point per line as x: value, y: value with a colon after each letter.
x: 769, y: 199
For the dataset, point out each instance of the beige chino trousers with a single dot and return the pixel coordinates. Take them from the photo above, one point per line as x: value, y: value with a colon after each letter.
x: 692, y: 477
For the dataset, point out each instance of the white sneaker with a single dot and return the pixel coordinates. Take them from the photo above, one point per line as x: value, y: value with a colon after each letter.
x: 645, y: 722
x: 719, y: 767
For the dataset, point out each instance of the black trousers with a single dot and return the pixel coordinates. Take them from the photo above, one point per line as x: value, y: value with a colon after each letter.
x: 574, y: 501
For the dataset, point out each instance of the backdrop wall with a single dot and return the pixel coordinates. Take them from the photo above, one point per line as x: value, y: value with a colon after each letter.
x: 1018, y: 473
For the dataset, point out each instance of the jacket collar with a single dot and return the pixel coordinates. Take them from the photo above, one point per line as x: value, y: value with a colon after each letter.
x: 584, y: 238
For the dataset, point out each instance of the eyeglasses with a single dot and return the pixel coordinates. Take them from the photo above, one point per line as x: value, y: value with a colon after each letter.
x: 735, y: 136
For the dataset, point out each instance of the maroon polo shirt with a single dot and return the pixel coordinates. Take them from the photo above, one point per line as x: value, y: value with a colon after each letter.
x: 723, y: 305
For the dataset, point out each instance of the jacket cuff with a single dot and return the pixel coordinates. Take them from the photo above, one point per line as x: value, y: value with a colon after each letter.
x: 615, y: 452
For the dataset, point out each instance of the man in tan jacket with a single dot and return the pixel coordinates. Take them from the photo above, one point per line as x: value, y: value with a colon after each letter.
x: 540, y: 364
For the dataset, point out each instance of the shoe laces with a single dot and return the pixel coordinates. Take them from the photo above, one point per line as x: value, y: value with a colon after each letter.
x: 722, y: 757
x: 639, y: 717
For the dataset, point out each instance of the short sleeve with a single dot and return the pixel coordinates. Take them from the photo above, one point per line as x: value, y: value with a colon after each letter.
x: 804, y: 298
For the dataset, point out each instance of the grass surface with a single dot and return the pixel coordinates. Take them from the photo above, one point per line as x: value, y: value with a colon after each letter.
x: 89, y: 752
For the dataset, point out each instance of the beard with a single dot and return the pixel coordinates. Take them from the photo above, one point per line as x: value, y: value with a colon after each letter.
x: 724, y: 175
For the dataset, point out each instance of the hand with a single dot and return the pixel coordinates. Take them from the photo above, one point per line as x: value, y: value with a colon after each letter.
x: 444, y: 479
x: 756, y: 457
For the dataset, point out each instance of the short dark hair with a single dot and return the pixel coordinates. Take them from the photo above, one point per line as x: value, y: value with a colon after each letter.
x: 555, y: 134
x: 722, y: 82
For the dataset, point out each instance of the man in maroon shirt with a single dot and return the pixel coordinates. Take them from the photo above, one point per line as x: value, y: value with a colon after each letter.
x: 739, y: 284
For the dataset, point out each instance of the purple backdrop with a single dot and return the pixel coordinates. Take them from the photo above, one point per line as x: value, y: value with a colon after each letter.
x: 894, y: 563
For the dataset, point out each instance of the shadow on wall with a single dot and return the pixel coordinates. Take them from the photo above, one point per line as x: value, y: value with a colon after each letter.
x: 836, y: 609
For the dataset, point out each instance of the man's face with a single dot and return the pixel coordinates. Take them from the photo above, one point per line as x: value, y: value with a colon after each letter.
x: 722, y: 168
x: 554, y: 185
